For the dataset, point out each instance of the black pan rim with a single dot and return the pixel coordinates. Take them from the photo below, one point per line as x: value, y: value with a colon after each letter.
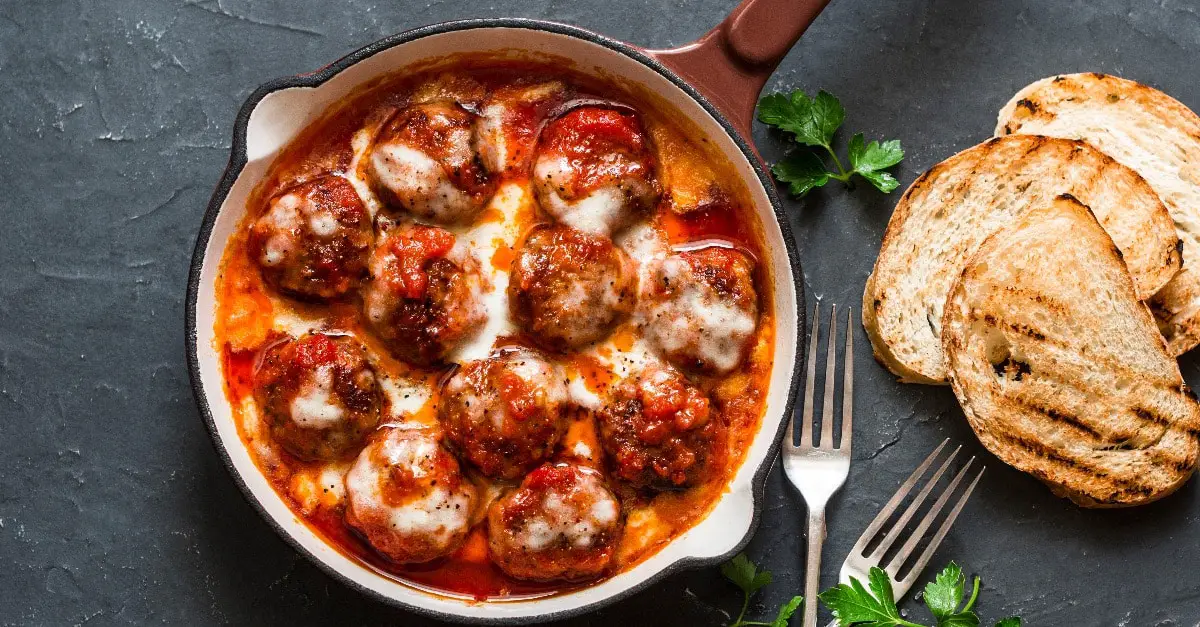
x: 237, y: 162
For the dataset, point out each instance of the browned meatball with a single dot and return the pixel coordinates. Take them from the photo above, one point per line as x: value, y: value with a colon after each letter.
x: 505, y: 414
x: 594, y: 169
x: 562, y: 523
x: 658, y: 430
x: 317, y: 394
x: 700, y: 308
x: 312, y: 240
x: 407, y: 496
x: 424, y: 295
x: 424, y: 161
x: 568, y: 288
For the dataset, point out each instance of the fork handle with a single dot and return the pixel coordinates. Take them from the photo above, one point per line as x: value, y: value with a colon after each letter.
x: 812, y: 570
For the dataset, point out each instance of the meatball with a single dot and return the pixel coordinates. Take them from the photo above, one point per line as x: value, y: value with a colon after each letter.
x: 562, y: 523
x: 424, y: 161
x: 505, y: 413
x: 700, y: 308
x: 509, y: 120
x: 312, y: 240
x: 594, y: 170
x: 407, y: 496
x: 317, y: 394
x: 658, y: 431
x: 424, y: 295
x: 568, y: 288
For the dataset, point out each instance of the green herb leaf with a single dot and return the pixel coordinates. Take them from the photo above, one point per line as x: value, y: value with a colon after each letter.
x: 786, y: 610
x: 874, y: 156
x: 1011, y: 621
x: 744, y: 574
x: 812, y: 122
x: 881, y: 586
x: 882, y: 181
x: 827, y: 117
x: 852, y: 604
x: 802, y: 170
x: 944, y: 594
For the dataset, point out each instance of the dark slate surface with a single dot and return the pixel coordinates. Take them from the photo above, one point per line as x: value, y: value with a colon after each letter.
x: 116, y: 124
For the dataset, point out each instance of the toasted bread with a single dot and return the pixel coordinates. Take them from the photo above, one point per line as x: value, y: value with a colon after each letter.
x: 1059, y: 368
x: 944, y: 216
x: 1151, y: 133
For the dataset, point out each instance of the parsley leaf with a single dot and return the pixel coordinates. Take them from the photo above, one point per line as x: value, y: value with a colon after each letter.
x: 746, y: 575
x: 802, y: 170
x: 869, y: 161
x: 851, y: 603
x: 1011, y: 621
x: 812, y: 123
x: 944, y: 594
x: 786, y: 610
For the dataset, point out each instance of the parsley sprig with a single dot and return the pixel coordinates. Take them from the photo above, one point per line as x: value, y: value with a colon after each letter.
x: 745, y: 575
x: 812, y: 122
x: 853, y: 604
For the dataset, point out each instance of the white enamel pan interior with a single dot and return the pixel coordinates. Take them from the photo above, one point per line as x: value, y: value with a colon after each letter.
x: 279, y: 110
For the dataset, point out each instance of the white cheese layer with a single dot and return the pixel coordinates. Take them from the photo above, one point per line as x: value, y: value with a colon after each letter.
x: 559, y: 520
x: 314, y: 407
x: 436, y: 514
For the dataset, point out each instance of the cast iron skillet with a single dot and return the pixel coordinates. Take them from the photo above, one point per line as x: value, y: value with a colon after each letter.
x: 715, y: 81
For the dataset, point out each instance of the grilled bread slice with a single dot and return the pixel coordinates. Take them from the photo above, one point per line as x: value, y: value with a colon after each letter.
x: 1148, y: 131
x: 944, y: 216
x: 1061, y: 370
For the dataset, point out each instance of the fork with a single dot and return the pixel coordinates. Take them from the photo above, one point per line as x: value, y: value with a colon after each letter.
x: 818, y: 471
x: 859, y: 562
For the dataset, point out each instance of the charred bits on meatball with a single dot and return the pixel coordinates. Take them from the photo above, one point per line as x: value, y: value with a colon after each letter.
x: 700, y: 308
x: 658, y: 431
x: 506, y: 413
x: 424, y: 294
x: 318, y: 395
x: 311, y: 242
x: 407, y: 496
x: 424, y: 161
x: 562, y: 523
x: 594, y: 169
x: 568, y: 288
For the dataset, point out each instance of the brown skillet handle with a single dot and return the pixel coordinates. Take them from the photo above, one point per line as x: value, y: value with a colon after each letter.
x: 730, y: 64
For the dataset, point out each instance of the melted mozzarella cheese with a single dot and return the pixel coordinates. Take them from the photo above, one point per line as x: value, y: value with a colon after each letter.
x: 484, y: 240
x: 405, y: 396
x: 418, y: 179
x: 436, y: 514
x: 696, y: 320
x: 558, y: 520
x: 314, y: 407
x: 361, y: 144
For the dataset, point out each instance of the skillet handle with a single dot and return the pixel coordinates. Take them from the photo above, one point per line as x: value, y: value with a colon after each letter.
x: 730, y: 64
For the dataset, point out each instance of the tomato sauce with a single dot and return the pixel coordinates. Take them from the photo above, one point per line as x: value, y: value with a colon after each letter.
x: 702, y: 200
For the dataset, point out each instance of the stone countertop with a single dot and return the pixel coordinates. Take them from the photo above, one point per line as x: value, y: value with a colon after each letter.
x: 116, y: 125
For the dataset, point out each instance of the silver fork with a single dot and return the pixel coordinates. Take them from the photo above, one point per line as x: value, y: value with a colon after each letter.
x: 819, y: 471
x: 859, y: 562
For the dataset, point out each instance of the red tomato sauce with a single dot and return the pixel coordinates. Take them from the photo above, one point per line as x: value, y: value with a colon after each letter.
x: 702, y: 199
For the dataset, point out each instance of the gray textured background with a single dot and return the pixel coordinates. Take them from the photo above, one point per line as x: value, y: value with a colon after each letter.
x: 116, y: 125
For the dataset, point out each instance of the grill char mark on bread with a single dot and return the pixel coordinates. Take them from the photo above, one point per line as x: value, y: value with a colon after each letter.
x: 1151, y: 133
x: 1099, y: 412
x: 945, y: 215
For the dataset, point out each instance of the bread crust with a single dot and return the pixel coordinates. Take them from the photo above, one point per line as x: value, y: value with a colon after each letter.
x: 1148, y: 131
x: 949, y: 210
x: 1060, y: 369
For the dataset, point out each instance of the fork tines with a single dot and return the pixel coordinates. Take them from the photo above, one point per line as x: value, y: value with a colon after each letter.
x: 895, y: 562
x: 827, y: 404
